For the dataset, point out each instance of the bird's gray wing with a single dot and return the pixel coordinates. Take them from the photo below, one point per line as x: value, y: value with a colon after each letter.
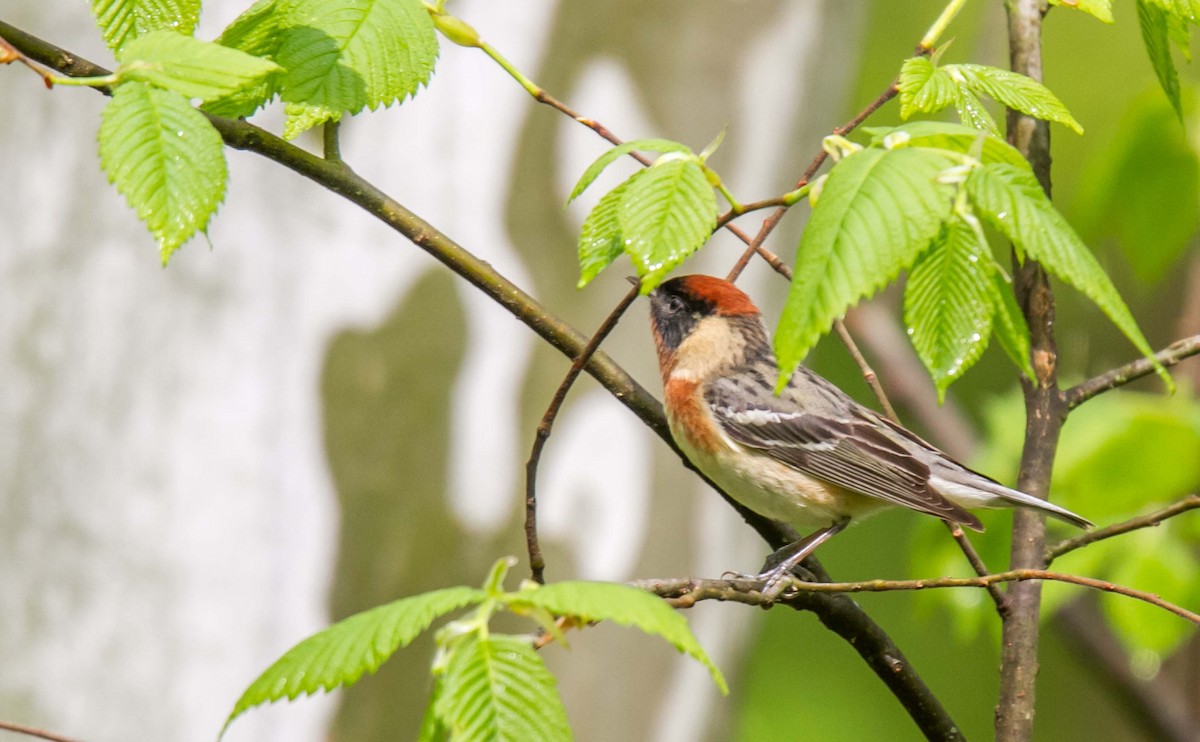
x: 829, y: 436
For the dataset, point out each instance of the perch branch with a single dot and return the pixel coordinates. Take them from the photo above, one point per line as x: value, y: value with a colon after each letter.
x: 1149, y: 520
x: 1122, y: 375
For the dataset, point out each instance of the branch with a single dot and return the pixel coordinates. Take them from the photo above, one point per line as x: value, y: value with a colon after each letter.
x: 1054, y: 551
x: 8, y: 726
x: 1122, y: 375
x: 537, y: 564
x: 685, y: 592
x: 839, y: 613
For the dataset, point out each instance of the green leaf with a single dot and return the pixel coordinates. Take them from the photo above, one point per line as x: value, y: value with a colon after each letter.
x: 344, y: 55
x: 600, y: 240
x: 1187, y: 10
x: 923, y: 87
x: 497, y: 688
x: 432, y: 729
x: 1017, y: 91
x: 1009, y: 325
x: 121, y: 21
x: 623, y: 605
x: 952, y: 137
x: 1014, y: 203
x: 666, y: 214
x: 1153, y: 211
x: 611, y: 156
x: 1156, y: 29
x: 878, y: 211
x: 190, y: 67
x: 949, y: 302
x: 972, y: 113
x: 1101, y: 9
x: 255, y: 31
x: 342, y: 653
x: 165, y: 158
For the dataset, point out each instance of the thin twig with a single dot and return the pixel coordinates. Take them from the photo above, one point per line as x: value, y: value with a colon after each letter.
x: 1149, y: 520
x: 8, y: 726
x: 686, y: 592
x: 537, y: 563
x: 1122, y: 375
x: 332, y: 146
x: 10, y: 54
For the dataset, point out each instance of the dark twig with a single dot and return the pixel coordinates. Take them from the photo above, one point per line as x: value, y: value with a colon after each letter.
x: 537, y: 564
x: 10, y: 54
x: 685, y: 592
x: 1122, y: 375
x: 1149, y: 520
x: 8, y: 726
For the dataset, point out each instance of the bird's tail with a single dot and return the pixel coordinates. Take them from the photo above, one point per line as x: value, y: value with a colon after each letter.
x: 981, y: 491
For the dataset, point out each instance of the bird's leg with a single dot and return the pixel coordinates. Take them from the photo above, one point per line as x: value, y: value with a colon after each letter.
x: 774, y: 578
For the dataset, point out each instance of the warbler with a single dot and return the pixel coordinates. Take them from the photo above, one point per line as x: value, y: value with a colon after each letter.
x: 810, y: 456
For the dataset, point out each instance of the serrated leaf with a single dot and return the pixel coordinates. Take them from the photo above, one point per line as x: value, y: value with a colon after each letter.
x: 255, y: 31
x: 973, y: 114
x: 1017, y: 91
x: 432, y: 729
x: 301, y: 117
x: 878, y: 210
x: 1013, y: 201
x: 346, y: 55
x: 1156, y: 28
x: 949, y: 302
x: 600, y: 240
x: 1187, y: 10
x: 666, y: 214
x: 341, y: 654
x: 497, y: 688
x: 611, y: 156
x: 623, y: 605
x: 121, y: 21
x: 165, y: 158
x: 1009, y: 325
x: 190, y: 67
x: 1100, y: 9
x: 923, y: 87
x: 952, y: 137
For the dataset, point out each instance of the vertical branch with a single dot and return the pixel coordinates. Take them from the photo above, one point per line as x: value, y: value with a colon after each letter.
x: 1045, y: 410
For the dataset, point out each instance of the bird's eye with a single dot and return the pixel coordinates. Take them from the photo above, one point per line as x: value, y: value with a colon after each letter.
x: 675, y: 305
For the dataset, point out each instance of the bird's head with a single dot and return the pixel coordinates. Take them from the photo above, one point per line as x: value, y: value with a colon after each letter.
x: 711, y: 316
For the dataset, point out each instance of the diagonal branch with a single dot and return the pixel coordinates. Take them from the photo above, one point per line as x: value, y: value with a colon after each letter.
x: 1122, y: 375
x: 1149, y: 520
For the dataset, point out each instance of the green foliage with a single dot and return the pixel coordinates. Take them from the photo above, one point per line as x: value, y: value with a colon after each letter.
x: 1163, y: 22
x: 190, y: 67
x: 658, y: 216
x: 927, y: 88
x: 165, y: 158
x: 879, y: 209
x: 346, y: 55
x: 1153, y: 212
x: 121, y: 21
x: 255, y: 31
x: 339, y: 655
x: 623, y: 605
x: 495, y: 687
x: 486, y: 686
x: 1120, y: 455
x: 1012, y: 200
x: 949, y: 301
x: 1101, y: 9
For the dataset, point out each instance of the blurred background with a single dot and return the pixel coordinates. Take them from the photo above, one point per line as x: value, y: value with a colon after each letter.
x: 305, y: 416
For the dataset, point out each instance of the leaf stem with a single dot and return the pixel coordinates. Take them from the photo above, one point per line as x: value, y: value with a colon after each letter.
x: 939, y: 26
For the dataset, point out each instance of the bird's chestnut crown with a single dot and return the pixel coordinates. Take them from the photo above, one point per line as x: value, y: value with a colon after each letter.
x: 678, y: 305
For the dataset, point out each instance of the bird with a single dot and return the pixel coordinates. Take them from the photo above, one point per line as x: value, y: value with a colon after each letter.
x: 809, y: 456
